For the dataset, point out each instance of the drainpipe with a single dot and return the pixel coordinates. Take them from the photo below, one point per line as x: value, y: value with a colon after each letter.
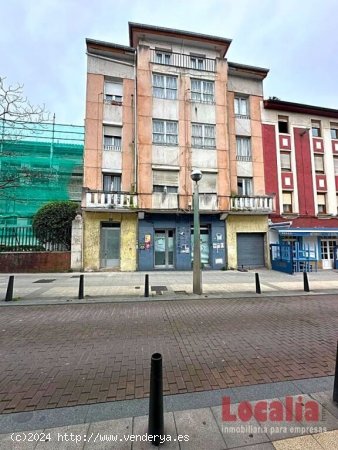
x: 135, y: 155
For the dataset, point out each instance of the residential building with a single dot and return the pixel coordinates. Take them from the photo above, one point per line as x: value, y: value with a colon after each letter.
x: 167, y: 103
x: 301, y: 170
x: 39, y: 163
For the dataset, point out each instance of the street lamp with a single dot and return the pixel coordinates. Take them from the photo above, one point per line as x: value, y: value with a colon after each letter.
x: 196, y: 176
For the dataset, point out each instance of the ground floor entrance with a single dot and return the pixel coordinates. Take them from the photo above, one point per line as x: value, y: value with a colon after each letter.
x: 166, y: 241
x: 327, y: 249
x: 110, y: 245
x: 250, y: 250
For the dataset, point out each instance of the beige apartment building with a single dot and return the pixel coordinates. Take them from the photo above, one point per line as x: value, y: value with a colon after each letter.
x: 167, y: 103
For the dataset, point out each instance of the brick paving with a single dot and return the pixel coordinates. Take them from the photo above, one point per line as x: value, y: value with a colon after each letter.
x: 66, y: 355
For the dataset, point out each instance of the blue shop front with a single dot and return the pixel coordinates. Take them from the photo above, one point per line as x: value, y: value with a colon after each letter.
x: 165, y: 241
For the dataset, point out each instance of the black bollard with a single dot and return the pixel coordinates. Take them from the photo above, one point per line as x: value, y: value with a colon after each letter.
x: 335, y: 386
x: 306, y: 282
x: 9, y: 293
x: 81, y: 296
x: 156, y: 419
x: 146, y: 286
x: 258, y: 284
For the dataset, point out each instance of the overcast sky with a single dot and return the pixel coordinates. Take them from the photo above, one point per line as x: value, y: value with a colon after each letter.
x: 42, y: 43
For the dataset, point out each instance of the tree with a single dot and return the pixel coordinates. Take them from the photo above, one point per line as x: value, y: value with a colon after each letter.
x: 53, y: 222
x: 17, y: 116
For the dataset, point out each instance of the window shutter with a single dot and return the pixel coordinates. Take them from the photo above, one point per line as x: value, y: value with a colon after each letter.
x: 287, y: 198
x: 165, y: 177
x: 321, y: 199
x: 111, y: 88
x: 319, y: 163
x: 285, y: 160
x: 335, y: 165
x: 112, y: 131
x: 208, y: 183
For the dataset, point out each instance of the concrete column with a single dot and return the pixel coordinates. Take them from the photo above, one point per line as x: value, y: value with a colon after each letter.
x: 76, y: 249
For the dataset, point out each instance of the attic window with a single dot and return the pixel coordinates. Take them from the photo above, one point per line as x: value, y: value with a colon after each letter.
x: 283, y: 124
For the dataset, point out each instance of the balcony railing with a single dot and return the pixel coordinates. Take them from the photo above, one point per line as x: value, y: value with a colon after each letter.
x: 255, y: 203
x: 105, y: 199
x: 184, y: 61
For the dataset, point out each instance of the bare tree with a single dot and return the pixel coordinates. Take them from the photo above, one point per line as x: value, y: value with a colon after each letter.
x: 17, y: 116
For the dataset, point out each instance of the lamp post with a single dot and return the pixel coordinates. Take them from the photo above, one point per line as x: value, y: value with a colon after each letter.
x: 196, y: 176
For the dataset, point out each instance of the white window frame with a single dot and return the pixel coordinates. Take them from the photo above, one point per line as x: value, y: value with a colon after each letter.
x: 334, y: 130
x: 167, y: 135
x: 240, y: 110
x: 113, y: 176
x: 165, y: 88
x: 197, y: 62
x: 110, y: 97
x: 165, y: 181
x: 202, y: 94
x: 283, y: 155
x: 162, y: 57
x: 116, y: 143
x: 202, y: 139
x: 243, y: 148
x: 316, y: 128
x: 247, y: 186
x: 321, y: 203
x: 287, y: 210
x: 319, y: 168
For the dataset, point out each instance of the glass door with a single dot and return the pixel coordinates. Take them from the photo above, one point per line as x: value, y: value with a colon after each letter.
x: 204, y: 244
x: 327, y: 251
x: 110, y: 245
x: 164, y: 249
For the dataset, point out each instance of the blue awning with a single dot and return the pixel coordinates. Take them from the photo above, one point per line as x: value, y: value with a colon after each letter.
x: 319, y: 232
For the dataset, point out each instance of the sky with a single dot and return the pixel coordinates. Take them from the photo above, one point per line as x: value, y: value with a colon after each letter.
x: 42, y: 43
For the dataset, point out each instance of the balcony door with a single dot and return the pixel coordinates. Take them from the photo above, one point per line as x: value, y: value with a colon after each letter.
x: 110, y: 245
x: 204, y: 245
x: 164, y: 249
x: 111, y: 182
x: 327, y: 247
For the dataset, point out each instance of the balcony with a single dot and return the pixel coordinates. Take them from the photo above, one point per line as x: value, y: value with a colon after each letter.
x: 110, y: 200
x: 183, y: 61
x: 208, y: 202
x: 161, y: 200
x: 256, y: 204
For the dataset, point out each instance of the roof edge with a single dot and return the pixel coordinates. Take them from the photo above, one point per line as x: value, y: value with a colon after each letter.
x: 301, y: 108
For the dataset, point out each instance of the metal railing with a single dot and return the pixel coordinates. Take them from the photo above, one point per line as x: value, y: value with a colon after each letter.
x: 244, y: 158
x: 106, y: 199
x: 251, y: 203
x: 184, y: 61
x: 23, y: 239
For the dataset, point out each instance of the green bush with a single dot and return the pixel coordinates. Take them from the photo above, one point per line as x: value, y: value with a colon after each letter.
x: 52, y: 223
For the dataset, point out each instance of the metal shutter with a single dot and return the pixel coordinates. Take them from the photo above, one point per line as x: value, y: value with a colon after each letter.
x: 250, y: 250
x: 208, y: 183
x: 165, y: 177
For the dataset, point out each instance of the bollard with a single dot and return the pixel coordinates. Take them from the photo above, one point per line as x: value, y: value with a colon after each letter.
x: 156, y: 419
x: 9, y: 293
x: 258, y: 284
x: 81, y: 282
x: 335, y: 386
x: 306, y: 282
x: 146, y: 286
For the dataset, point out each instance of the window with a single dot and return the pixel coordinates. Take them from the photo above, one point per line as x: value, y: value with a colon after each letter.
x: 337, y: 201
x: 321, y: 202
x: 334, y: 130
x: 165, y: 132
x: 244, y: 186
x: 242, y: 106
x: 165, y: 181
x: 203, y: 135
x: 197, y: 62
x: 243, y: 145
x: 111, y: 182
x: 285, y: 161
x: 283, y: 124
x: 208, y: 183
x: 164, y: 86
x: 162, y: 57
x: 335, y: 163
x: 113, y: 92
x: 112, y: 138
x: 315, y: 126
x: 202, y: 91
x: 319, y: 163
x: 287, y: 202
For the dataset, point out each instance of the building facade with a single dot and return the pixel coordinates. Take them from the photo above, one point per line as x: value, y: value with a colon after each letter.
x: 301, y: 170
x: 168, y: 103
x: 39, y: 163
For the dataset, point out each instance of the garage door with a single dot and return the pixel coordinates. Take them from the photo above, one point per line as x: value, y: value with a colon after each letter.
x: 250, y: 250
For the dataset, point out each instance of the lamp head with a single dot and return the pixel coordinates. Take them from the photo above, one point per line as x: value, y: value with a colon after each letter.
x: 196, y: 175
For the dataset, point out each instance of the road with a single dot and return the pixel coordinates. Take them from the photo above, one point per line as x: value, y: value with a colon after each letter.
x: 72, y: 354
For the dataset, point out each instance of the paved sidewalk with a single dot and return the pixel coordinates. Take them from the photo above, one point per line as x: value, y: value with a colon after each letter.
x: 49, y: 288
x: 192, y: 422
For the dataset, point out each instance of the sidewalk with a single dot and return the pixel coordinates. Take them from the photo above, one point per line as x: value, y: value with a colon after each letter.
x: 49, y: 288
x: 193, y: 421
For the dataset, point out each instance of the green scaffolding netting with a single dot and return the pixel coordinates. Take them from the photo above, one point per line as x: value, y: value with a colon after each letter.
x: 39, y: 163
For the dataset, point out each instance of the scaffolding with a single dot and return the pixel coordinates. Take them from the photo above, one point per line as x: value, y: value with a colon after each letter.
x: 39, y: 163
